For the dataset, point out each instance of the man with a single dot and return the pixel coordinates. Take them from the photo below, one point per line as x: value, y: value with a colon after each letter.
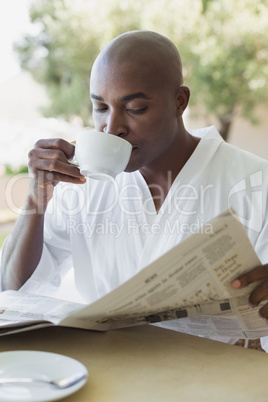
x: 107, y: 230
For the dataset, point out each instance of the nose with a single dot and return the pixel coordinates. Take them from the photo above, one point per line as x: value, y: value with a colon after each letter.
x: 115, y: 124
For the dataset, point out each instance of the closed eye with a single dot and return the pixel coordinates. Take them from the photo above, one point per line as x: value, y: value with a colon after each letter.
x: 138, y: 111
x: 100, y: 109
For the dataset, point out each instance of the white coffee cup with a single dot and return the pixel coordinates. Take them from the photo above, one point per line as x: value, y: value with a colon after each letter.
x: 100, y: 155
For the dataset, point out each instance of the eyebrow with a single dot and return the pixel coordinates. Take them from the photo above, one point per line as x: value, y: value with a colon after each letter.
x: 124, y: 98
x: 99, y: 98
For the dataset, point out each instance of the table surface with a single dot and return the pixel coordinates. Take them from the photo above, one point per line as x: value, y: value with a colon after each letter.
x: 152, y: 364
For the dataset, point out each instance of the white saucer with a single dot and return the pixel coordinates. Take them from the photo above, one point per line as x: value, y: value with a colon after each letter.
x: 42, y: 365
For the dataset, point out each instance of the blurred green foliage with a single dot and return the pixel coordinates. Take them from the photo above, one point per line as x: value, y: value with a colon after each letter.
x: 10, y: 171
x: 223, y: 44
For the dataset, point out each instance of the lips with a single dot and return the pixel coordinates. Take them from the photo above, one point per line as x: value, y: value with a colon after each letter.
x: 134, y: 147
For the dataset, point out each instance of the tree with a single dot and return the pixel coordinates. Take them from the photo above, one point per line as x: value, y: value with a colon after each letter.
x: 224, y: 49
x: 69, y: 36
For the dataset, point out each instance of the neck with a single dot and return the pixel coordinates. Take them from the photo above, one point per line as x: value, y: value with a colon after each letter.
x: 160, y: 175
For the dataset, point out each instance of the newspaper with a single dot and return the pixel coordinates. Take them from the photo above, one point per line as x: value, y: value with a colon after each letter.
x: 190, y: 283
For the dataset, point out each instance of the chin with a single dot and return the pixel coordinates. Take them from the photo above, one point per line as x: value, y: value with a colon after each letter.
x: 130, y: 169
x: 133, y: 165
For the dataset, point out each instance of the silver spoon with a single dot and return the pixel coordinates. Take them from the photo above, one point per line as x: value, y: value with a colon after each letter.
x: 60, y: 383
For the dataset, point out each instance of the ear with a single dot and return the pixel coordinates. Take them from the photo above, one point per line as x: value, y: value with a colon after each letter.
x: 183, y: 97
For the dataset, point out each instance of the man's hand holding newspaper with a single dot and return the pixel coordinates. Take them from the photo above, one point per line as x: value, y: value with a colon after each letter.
x: 260, y: 293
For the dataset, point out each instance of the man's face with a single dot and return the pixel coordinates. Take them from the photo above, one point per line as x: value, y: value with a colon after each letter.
x: 139, y: 105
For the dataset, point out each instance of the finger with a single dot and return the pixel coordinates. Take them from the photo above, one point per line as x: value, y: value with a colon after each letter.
x: 263, y: 312
x: 55, y: 166
x: 54, y: 178
x: 259, y: 293
x: 43, y: 153
x: 254, y: 275
x: 56, y: 143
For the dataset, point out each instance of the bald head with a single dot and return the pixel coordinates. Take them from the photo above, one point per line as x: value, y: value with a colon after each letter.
x: 144, y: 49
